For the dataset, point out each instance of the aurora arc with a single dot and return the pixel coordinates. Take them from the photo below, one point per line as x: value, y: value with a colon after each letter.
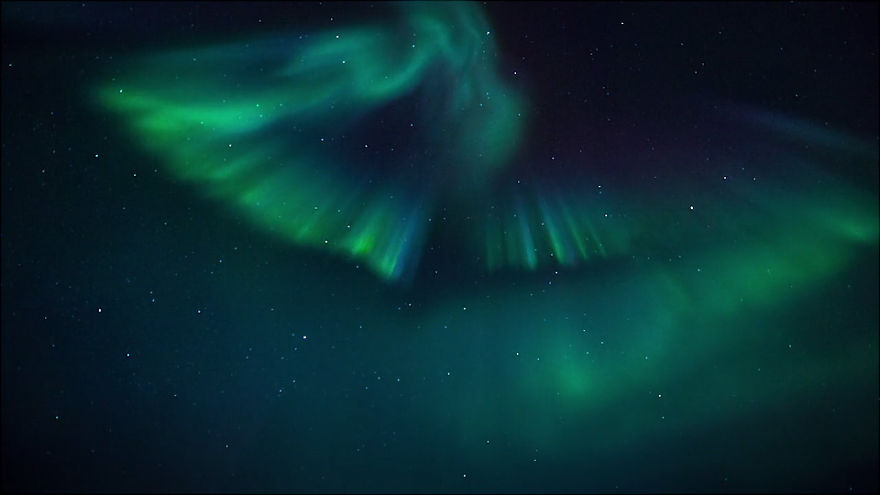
x: 261, y: 124
x: 214, y: 114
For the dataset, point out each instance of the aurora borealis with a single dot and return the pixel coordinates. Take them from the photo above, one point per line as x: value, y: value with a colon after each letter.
x: 246, y: 120
x: 440, y: 247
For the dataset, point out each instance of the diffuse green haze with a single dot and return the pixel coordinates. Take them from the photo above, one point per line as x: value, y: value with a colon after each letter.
x: 606, y: 360
x: 250, y: 123
x: 611, y: 361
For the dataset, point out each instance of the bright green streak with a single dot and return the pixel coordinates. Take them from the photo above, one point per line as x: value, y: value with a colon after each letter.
x: 250, y: 123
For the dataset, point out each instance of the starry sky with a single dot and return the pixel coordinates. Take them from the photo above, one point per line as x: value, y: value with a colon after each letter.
x: 440, y: 247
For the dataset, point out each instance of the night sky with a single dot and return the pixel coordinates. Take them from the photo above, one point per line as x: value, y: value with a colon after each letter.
x: 440, y: 247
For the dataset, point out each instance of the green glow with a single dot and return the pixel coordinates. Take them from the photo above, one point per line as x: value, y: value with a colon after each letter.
x: 701, y: 296
x: 259, y: 124
x: 815, y: 219
x: 525, y: 232
x: 558, y: 244
x: 617, y: 348
x: 244, y: 122
x: 573, y: 231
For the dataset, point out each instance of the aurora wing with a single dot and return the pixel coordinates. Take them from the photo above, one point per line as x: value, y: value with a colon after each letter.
x: 769, y: 211
x: 272, y: 126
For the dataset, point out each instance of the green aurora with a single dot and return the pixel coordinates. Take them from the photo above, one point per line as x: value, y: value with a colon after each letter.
x: 617, y: 321
x: 243, y: 122
x: 246, y: 123
x: 214, y: 115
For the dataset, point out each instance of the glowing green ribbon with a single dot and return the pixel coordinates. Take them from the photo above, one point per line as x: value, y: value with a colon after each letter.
x: 261, y: 125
